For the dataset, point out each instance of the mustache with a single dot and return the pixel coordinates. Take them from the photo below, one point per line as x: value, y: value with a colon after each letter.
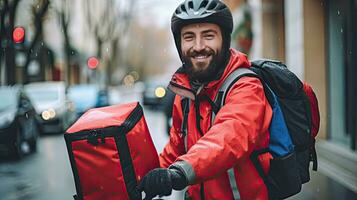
x: 203, y: 52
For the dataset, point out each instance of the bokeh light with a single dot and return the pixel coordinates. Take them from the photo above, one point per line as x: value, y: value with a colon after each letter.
x: 18, y: 35
x: 93, y: 62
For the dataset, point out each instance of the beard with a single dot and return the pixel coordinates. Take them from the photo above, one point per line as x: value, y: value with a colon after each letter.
x: 200, y: 71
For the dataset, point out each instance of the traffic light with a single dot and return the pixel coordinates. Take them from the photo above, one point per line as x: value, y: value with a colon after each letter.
x: 92, y: 62
x: 18, y: 35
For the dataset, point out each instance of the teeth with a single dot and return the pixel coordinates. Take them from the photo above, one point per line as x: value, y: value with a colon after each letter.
x: 200, y: 57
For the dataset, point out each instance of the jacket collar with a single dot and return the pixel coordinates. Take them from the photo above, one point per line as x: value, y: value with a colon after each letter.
x: 180, y: 83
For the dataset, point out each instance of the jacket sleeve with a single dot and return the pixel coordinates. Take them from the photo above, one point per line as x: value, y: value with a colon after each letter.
x: 175, y: 146
x: 236, y: 131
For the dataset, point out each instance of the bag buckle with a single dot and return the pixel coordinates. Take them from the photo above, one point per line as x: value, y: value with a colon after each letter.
x: 93, y: 137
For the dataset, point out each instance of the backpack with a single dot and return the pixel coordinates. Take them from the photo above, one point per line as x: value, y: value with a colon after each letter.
x: 293, y: 128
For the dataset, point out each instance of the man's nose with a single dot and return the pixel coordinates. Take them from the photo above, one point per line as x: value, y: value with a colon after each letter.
x: 198, y: 45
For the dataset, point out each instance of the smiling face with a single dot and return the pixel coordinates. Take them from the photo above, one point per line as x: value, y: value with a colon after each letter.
x: 201, y: 46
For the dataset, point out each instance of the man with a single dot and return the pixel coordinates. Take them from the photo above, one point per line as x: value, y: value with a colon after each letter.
x: 212, y: 158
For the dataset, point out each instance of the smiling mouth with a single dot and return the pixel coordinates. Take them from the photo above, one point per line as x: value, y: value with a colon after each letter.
x: 201, y: 57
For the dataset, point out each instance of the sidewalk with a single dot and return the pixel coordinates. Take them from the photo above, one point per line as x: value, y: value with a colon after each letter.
x: 323, y: 187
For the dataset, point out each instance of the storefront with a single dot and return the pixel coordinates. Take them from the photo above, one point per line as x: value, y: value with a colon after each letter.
x: 342, y: 50
x: 317, y: 40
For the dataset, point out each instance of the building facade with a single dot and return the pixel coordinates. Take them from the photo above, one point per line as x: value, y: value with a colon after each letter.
x: 315, y: 39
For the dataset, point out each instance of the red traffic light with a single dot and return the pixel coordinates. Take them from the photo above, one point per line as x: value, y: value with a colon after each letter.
x: 92, y: 63
x: 18, y: 35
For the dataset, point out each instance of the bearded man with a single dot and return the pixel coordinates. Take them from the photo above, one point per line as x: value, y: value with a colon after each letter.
x: 211, y: 157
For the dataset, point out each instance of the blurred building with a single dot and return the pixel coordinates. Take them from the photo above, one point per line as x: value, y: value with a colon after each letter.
x: 315, y: 39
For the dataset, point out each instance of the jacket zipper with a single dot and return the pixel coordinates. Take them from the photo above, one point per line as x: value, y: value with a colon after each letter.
x: 202, y: 192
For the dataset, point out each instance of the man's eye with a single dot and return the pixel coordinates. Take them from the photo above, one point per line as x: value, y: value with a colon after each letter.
x: 188, y: 38
x: 209, y: 37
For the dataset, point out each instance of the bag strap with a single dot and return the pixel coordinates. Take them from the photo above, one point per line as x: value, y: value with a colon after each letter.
x: 219, y: 100
x: 216, y: 105
x: 227, y: 84
x: 185, y: 106
x: 313, y: 155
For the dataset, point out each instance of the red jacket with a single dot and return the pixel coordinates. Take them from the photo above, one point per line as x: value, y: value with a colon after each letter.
x: 240, y: 127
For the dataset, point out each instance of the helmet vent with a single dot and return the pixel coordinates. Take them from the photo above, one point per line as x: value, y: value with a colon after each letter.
x: 190, y: 5
x: 183, y: 8
x: 204, y: 4
x: 221, y: 7
x: 212, y: 5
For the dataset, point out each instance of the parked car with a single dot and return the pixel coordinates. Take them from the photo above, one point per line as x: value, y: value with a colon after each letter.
x: 18, y: 127
x: 55, y: 112
x: 87, y: 96
x: 158, y: 97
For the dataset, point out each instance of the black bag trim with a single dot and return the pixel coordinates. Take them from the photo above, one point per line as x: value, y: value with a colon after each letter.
x: 123, y: 150
x: 127, y: 167
x: 110, y: 131
x: 77, y: 196
x: 126, y: 161
x: 95, y: 134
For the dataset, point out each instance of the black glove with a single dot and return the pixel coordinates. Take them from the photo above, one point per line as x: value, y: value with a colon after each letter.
x: 161, y: 181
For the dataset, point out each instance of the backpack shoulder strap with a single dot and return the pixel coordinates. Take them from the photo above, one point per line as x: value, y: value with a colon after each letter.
x: 219, y: 101
x: 228, y: 83
x: 232, y: 78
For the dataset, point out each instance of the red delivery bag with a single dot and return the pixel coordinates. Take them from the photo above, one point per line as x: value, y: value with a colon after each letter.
x: 110, y: 150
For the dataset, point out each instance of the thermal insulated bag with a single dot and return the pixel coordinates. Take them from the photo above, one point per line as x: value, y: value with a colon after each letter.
x: 110, y: 150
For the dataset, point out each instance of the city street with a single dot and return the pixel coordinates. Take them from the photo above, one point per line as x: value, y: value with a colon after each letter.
x: 42, y: 175
x: 60, y: 58
x: 47, y: 174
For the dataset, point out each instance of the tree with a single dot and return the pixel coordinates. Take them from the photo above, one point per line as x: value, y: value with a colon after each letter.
x: 64, y: 14
x: 149, y: 49
x: 39, y: 10
x: 109, y: 22
x: 7, y: 23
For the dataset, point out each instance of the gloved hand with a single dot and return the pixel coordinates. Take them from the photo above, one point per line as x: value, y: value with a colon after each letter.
x: 161, y: 181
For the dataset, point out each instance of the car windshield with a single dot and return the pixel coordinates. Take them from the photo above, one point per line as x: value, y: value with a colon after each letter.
x: 8, y: 99
x: 43, y: 95
x: 83, y: 96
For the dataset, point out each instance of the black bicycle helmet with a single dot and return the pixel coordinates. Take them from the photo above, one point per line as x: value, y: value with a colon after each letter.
x: 202, y: 11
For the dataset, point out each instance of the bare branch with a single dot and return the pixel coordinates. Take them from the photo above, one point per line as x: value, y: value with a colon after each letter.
x: 39, y: 15
x: 88, y: 15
